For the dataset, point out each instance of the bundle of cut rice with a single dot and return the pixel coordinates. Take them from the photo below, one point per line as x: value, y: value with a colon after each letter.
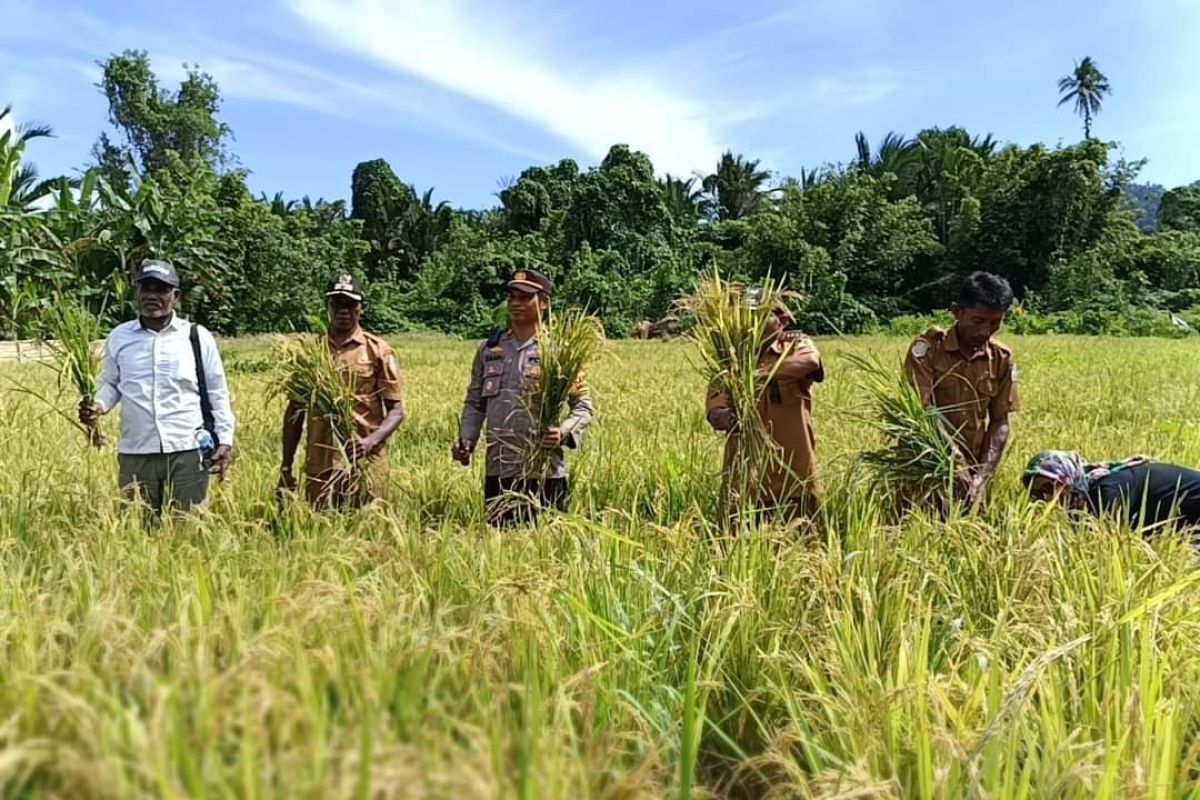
x: 567, y: 343
x: 72, y: 332
x: 917, y: 461
x: 730, y: 332
x: 308, y: 377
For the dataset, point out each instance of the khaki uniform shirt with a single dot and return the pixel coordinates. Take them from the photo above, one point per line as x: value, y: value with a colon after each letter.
x: 786, y: 409
x: 368, y: 364
x: 497, y: 398
x: 970, y: 390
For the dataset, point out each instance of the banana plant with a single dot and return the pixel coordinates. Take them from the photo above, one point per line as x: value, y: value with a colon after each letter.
x: 11, y: 151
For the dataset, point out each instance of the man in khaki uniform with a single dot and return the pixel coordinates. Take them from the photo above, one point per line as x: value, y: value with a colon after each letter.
x: 369, y: 365
x: 504, y: 366
x: 970, y: 379
x: 791, y: 364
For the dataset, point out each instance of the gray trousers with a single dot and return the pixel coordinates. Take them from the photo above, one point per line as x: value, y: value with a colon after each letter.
x: 177, y: 479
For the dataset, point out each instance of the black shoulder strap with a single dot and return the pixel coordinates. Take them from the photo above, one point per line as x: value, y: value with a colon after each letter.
x: 201, y: 380
x: 493, y: 338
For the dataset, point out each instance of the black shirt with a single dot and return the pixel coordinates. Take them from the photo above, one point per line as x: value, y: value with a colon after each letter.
x: 1149, y: 495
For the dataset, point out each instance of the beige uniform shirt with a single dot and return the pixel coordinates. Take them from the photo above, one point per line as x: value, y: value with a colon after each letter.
x: 971, y: 390
x: 786, y: 409
x: 368, y: 364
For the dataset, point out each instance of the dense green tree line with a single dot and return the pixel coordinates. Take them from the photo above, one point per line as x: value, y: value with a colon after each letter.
x: 877, y: 239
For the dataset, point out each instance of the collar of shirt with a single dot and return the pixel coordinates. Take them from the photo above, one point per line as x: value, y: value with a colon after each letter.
x: 512, y: 340
x: 951, y: 343
x: 358, y: 337
x: 175, y: 324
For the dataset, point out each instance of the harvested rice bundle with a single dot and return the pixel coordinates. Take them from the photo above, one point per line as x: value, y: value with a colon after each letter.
x: 916, y: 465
x: 730, y: 332
x: 567, y: 343
x: 72, y: 334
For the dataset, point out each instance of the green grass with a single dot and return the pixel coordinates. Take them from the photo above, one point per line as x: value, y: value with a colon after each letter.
x: 621, y: 651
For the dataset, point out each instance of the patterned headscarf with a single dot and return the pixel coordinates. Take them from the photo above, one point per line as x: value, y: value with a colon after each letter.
x: 1068, y: 469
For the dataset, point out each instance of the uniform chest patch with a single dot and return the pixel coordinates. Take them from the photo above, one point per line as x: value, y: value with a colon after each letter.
x: 920, y: 348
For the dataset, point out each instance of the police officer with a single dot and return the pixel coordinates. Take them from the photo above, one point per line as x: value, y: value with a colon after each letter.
x: 791, y: 364
x: 369, y: 365
x: 496, y: 399
x: 971, y: 379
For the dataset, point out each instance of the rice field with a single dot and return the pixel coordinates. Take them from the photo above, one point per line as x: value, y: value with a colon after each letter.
x: 624, y: 650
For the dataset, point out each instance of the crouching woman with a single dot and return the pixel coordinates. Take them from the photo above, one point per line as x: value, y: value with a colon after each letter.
x: 1148, y: 495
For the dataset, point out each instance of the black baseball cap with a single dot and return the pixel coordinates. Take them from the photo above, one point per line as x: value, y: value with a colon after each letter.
x: 530, y: 280
x: 155, y: 270
x: 345, y: 285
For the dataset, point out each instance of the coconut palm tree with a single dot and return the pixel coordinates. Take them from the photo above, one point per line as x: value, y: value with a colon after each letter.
x: 1086, y: 87
x: 280, y: 206
x: 412, y: 232
x: 894, y: 154
x: 26, y: 131
x: 682, y: 197
x: 22, y: 187
x: 736, y: 189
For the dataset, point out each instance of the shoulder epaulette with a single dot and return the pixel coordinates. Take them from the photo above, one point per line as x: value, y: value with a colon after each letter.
x: 493, y: 338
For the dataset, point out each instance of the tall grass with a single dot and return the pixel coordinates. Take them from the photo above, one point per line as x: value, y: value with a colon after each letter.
x: 406, y: 650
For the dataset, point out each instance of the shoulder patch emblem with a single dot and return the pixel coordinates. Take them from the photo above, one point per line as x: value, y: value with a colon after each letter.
x: 392, y: 363
x: 920, y: 348
x: 1016, y: 373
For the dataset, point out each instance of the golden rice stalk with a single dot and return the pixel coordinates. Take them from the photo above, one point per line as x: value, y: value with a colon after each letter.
x: 730, y: 334
x: 308, y: 377
x: 72, y: 332
x: 916, y: 463
x: 567, y: 343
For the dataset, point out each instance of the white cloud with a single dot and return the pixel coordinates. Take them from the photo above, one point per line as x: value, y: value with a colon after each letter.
x: 251, y: 75
x: 494, y: 60
x: 864, y: 87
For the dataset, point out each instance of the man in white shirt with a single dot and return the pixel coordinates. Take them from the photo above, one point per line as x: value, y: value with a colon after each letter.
x: 170, y: 438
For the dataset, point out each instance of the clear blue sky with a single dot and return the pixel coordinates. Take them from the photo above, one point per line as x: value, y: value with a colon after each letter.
x: 457, y: 94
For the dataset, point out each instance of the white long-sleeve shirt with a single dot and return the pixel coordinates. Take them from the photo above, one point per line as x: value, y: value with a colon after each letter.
x: 153, y: 376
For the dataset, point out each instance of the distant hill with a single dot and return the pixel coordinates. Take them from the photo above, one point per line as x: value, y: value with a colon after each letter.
x: 1144, y: 198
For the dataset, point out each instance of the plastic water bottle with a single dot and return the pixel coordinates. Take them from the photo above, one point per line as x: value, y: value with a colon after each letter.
x: 205, y: 444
